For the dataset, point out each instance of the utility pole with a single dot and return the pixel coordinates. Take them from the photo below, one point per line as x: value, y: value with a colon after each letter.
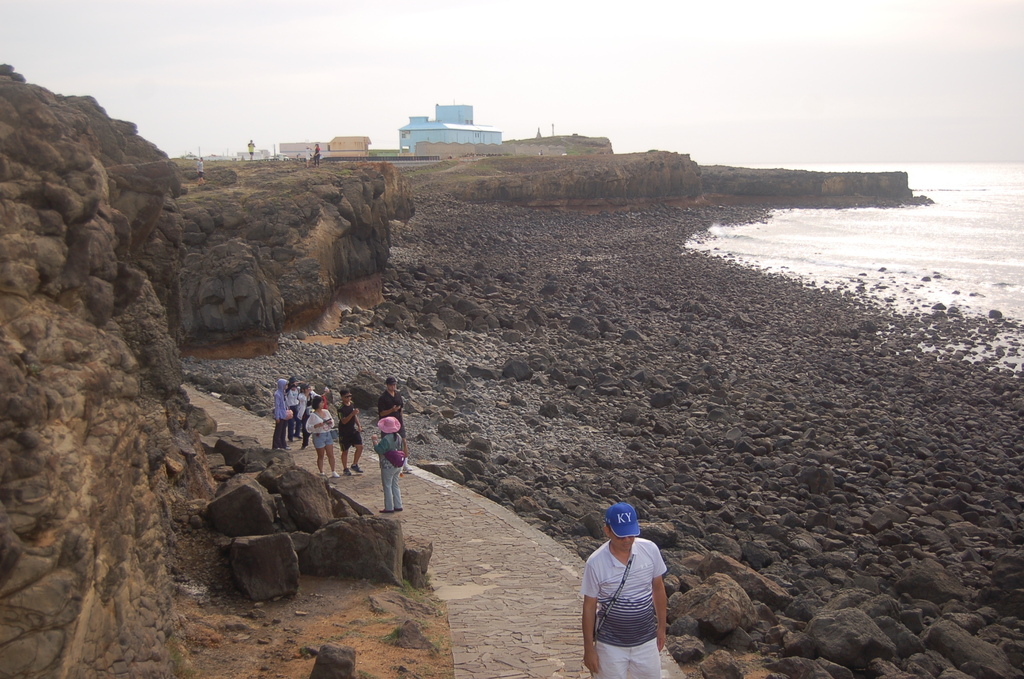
x: 552, y: 129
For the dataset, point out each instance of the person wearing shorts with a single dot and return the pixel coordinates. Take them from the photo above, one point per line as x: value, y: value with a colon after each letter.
x: 320, y: 423
x: 624, y: 602
x: 351, y: 433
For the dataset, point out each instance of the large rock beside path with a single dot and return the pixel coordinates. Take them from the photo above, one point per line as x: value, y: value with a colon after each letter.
x: 363, y: 547
x: 265, y: 566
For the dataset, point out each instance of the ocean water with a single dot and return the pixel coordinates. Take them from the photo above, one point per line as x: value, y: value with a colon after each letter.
x: 966, y: 250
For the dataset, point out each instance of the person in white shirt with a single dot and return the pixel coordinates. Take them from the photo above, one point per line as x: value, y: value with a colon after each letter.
x: 320, y: 423
x: 624, y: 602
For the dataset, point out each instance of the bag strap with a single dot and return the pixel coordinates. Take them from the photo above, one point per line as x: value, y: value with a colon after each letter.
x: 615, y: 597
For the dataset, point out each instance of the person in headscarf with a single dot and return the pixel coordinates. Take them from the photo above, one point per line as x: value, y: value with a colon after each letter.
x: 281, y: 416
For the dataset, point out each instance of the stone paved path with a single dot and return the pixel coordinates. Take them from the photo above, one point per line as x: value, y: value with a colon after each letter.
x: 511, y: 591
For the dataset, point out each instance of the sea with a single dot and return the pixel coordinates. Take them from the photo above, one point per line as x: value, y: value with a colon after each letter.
x: 966, y: 250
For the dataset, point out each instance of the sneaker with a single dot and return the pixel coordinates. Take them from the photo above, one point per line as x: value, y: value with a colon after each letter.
x: 347, y: 472
x: 356, y: 469
x: 336, y: 475
x: 387, y: 511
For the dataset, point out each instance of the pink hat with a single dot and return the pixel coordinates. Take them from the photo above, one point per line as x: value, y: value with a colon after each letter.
x: 389, y: 425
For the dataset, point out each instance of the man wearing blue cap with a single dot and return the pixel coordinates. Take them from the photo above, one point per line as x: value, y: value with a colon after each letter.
x: 624, y: 602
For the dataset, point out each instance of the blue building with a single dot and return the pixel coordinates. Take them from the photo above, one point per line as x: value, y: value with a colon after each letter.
x: 452, y: 125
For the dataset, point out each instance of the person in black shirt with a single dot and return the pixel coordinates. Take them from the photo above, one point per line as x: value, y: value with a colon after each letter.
x: 390, y: 404
x: 351, y: 433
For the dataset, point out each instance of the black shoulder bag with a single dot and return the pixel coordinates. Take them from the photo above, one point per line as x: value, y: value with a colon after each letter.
x: 615, y: 597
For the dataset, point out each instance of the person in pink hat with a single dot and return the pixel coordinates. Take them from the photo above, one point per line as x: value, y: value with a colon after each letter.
x: 391, y: 458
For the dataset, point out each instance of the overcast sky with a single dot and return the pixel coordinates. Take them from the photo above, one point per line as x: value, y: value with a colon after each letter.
x: 727, y: 81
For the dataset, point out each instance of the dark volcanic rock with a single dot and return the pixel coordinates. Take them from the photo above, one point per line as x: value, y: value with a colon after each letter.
x: 364, y: 547
x: 971, y: 655
x: 265, y: 566
x: 849, y: 637
x: 930, y: 581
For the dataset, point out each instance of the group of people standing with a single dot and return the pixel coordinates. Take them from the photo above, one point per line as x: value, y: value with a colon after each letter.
x: 300, y: 414
x: 623, y: 589
x: 313, y: 157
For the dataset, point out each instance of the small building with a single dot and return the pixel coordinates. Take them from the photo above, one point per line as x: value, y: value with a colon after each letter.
x: 347, y: 146
x: 452, y: 125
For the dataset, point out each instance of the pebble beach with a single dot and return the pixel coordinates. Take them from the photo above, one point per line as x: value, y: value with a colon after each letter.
x: 564, y: 361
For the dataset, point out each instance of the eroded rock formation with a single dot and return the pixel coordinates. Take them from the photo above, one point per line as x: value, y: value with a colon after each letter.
x: 269, y: 246
x: 597, y: 180
x: 741, y: 185
x: 90, y: 435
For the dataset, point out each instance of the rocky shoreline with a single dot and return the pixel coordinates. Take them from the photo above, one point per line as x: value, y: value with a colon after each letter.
x: 841, y: 470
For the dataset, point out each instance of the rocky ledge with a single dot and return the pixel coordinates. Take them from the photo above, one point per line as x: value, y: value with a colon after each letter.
x: 833, y: 486
x: 803, y: 188
x: 270, y: 246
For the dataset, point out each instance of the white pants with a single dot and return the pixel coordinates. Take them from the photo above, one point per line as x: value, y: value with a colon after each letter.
x: 634, y: 662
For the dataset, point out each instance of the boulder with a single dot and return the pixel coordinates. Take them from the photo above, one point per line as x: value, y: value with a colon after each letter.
x: 685, y: 649
x: 344, y: 507
x: 233, y: 446
x: 410, y: 635
x: 757, y: 587
x: 798, y: 668
x: 885, y: 518
x: 305, y: 496
x: 334, y: 661
x: 362, y: 547
x: 849, y: 637
x: 929, y: 580
x: 265, y: 566
x: 720, y: 665
x: 416, y: 560
x: 719, y: 606
x: 242, y: 507
x: 970, y: 654
x: 517, y: 369
x: 1005, y: 592
x: 444, y: 469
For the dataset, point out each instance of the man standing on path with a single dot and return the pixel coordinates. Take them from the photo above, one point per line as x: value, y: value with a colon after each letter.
x: 390, y: 404
x: 624, y: 602
x: 199, y: 171
x: 252, y: 149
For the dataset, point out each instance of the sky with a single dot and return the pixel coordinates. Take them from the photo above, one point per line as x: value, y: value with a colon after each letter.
x: 739, y: 82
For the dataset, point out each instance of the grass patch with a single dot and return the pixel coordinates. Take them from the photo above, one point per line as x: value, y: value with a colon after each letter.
x: 181, y: 665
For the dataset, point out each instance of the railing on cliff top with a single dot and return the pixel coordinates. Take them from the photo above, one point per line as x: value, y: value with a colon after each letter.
x: 379, y: 159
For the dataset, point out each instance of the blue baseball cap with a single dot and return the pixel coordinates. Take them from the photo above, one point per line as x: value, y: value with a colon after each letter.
x: 621, y: 518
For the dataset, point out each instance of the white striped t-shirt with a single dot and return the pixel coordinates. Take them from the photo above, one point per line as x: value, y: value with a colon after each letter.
x: 632, y: 620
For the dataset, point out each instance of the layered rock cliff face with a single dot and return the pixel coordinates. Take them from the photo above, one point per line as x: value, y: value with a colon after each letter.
x: 270, y: 245
x: 743, y: 185
x: 91, y: 440
x: 588, y: 180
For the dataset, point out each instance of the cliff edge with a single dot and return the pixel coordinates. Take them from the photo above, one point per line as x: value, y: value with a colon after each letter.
x: 92, y: 434
x: 268, y: 246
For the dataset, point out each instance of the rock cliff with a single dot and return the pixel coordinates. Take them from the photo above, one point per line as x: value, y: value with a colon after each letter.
x: 269, y: 245
x: 587, y: 180
x: 91, y: 417
x: 740, y: 185
x: 106, y: 264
